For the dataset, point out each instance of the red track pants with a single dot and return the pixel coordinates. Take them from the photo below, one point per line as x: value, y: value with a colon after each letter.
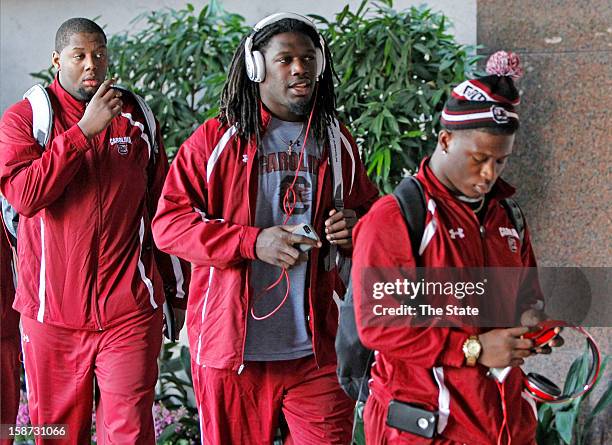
x: 60, y: 366
x: 10, y: 368
x: 245, y: 409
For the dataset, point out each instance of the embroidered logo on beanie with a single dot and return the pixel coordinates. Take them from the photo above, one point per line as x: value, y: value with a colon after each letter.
x: 500, y: 115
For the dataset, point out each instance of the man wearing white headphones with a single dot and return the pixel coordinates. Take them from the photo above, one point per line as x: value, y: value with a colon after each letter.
x: 262, y: 201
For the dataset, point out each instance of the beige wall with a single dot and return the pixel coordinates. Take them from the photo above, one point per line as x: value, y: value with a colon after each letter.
x: 27, y: 27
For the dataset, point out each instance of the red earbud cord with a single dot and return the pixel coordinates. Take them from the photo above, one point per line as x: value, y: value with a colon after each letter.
x: 289, y: 203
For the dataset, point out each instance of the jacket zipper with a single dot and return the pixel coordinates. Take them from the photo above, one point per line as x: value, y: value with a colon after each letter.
x: 317, y: 212
x: 250, y: 166
x: 97, y: 236
x: 482, y: 231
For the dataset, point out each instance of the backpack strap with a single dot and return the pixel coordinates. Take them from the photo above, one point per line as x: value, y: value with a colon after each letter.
x: 11, y: 220
x: 516, y: 216
x: 410, y: 196
x: 42, y: 125
x: 335, y: 156
x: 42, y: 113
x: 151, y: 125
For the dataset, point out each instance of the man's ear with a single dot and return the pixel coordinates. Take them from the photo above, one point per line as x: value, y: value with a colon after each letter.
x: 444, y: 139
x: 55, y: 60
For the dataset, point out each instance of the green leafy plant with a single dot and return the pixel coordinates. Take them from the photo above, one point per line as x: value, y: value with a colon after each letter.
x: 178, y: 62
x: 396, y: 70
x: 570, y: 423
x: 358, y: 426
x: 175, y: 412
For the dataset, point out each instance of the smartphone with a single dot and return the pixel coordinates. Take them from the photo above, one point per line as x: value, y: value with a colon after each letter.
x: 308, y: 231
x: 412, y: 419
x: 545, y: 333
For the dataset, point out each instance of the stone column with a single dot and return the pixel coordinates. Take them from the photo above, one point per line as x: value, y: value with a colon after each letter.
x: 563, y: 154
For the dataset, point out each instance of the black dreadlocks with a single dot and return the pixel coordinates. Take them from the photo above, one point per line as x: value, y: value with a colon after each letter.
x: 240, y: 97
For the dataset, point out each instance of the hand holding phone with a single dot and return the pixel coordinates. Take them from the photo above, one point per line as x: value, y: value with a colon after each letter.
x: 544, y: 332
x: 308, y: 231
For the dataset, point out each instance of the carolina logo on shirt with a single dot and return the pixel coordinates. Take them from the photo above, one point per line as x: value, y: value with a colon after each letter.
x: 301, y: 197
x: 505, y: 231
x: 122, y: 144
x: 283, y: 161
x: 512, y: 236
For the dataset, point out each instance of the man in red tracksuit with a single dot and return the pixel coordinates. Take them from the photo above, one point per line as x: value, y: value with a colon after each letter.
x: 238, y: 188
x: 442, y: 369
x: 10, y: 368
x: 90, y: 286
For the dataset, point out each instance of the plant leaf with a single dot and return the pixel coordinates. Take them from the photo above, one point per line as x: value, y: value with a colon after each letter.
x: 564, y: 423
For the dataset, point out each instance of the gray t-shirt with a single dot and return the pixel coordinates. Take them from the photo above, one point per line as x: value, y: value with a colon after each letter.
x: 284, y: 335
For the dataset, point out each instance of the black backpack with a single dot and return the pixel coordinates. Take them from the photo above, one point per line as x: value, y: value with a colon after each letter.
x: 354, y: 360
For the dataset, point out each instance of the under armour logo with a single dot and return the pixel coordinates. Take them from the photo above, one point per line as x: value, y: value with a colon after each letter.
x: 456, y: 233
x: 245, y: 158
x: 26, y: 339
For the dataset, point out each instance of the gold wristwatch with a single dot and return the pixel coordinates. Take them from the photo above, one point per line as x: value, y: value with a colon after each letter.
x: 472, y: 349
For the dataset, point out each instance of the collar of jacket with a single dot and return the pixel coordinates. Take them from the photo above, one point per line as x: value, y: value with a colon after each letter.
x: 501, y: 189
x: 266, y: 116
x: 73, y: 107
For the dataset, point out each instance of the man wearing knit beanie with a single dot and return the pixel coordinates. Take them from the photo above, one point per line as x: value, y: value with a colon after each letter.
x: 429, y: 384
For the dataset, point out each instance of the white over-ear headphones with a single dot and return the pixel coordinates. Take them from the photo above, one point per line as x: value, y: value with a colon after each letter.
x: 254, y: 60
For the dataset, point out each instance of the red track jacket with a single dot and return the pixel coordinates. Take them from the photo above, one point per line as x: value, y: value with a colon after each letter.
x: 425, y: 366
x: 86, y: 254
x: 206, y: 216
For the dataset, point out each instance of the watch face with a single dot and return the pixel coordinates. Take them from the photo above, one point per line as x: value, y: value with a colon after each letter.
x: 473, y: 348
